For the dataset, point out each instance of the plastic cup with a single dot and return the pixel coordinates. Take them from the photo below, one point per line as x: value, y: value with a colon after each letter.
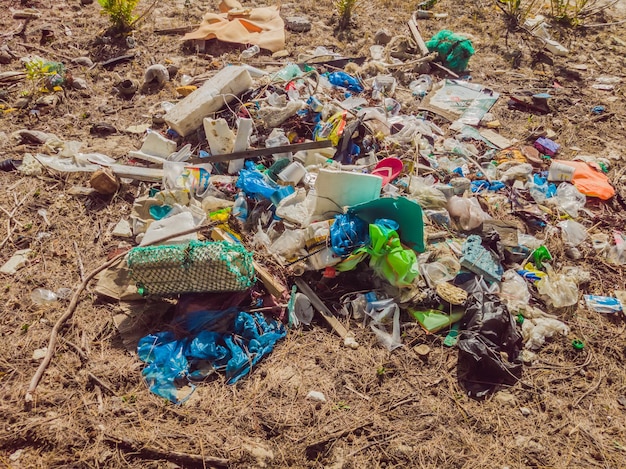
x: 292, y: 173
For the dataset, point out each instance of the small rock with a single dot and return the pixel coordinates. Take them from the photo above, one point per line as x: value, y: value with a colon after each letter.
x: 156, y: 74
x: 382, y: 37
x: 297, y: 24
x: 5, y: 58
x: 79, y: 84
x: 422, y: 350
x: 84, y: 61
x: 122, y: 230
x: 16, y: 455
x: 622, y: 400
x: 102, y: 129
x: 350, y: 343
x: 16, y: 262
x: 49, y: 100
x: 505, y: 398
x: 22, y: 102
x: 39, y: 353
x: 525, y: 411
x: 30, y: 166
x: 105, y: 182
x: 138, y: 129
x: 280, y: 54
x: 316, y: 396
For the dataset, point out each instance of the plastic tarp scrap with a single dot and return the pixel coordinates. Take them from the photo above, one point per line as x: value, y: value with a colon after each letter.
x: 487, y: 330
x: 588, y: 181
x: 261, y: 26
x: 202, y: 344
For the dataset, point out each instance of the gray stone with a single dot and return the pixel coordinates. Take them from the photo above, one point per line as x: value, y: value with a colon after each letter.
x: 79, y: 84
x: 84, y: 61
x: 382, y: 37
x: 298, y: 24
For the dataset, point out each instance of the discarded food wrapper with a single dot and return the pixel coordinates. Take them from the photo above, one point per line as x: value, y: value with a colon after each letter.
x: 603, y: 304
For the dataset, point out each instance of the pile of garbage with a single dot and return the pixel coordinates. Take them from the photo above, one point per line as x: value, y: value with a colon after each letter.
x: 372, y: 188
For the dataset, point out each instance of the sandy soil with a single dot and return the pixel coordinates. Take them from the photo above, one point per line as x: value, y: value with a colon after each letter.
x: 383, y: 409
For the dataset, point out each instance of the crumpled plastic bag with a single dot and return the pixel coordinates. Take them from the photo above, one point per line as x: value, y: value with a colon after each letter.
x: 254, y: 184
x: 388, y: 258
x: 467, y: 211
x: 177, y: 359
x: 382, y: 313
x: 569, y: 199
x: 535, y: 331
x: 558, y: 289
x: 487, y: 330
x: 347, y: 233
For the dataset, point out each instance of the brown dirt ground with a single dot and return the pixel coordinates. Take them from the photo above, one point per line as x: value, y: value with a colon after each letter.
x: 383, y: 409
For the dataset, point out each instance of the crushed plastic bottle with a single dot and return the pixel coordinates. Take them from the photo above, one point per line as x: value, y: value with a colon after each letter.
x: 250, y: 52
x: 421, y: 86
x: 41, y: 296
x: 240, y: 209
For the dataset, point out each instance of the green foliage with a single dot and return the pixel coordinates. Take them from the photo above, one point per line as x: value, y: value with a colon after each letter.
x: 345, y: 8
x: 516, y: 11
x: 569, y: 12
x: 120, y: 13
x: 37, y: 69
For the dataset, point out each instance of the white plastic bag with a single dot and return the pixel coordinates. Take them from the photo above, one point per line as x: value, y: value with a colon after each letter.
x: 536, y: 331
x: 557, y: 289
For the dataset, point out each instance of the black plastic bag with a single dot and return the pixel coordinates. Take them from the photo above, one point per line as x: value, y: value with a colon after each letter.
x: 487, y: 330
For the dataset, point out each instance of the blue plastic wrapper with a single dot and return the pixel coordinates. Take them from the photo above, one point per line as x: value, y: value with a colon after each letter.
x: 603, y: 304
x: 254, y: 184
x: 175, y: 360
x: 347, y: 233
x: 480, y: 185
x: 343, y: 80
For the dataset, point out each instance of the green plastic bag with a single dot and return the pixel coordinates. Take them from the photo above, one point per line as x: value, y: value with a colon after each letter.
x: 453, y: 49
x: 387, y: 256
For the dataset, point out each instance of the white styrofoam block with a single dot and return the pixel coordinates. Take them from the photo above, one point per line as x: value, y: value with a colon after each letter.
x: 241, y: 144
x: 155, y: 148
x: 221, y: 139
x: 187, y: 115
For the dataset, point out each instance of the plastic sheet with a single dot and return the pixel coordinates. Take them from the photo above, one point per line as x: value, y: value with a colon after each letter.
x: 383, y: 313
x: 174, y: 360
x: 488, y: 330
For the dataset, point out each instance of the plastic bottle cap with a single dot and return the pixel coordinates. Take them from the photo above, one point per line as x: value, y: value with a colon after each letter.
x: 578, y: 344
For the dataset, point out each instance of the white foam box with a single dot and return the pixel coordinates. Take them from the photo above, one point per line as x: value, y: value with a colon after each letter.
x: 187, y: 115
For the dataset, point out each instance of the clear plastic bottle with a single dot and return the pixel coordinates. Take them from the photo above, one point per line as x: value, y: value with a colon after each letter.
x: 250, y: 52
x: 240, y: 209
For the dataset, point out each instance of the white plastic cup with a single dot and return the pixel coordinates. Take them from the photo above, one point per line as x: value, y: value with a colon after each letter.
x: 292, y: 173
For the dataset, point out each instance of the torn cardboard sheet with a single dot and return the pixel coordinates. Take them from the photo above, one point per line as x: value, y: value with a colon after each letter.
x: 261, y: 26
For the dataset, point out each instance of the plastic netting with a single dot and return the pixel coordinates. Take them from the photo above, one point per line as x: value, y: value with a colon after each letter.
x: 194, y: 267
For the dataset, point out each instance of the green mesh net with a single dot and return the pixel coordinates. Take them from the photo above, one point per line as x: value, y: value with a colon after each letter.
x: 194, y: 267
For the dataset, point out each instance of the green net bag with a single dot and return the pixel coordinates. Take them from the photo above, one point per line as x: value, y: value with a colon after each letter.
x: 195, y: 267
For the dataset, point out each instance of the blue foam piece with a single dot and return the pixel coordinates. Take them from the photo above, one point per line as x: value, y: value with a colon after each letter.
x: 480, y: 260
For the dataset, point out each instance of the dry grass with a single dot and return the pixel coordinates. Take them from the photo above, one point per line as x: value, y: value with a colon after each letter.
x: 383, y: 409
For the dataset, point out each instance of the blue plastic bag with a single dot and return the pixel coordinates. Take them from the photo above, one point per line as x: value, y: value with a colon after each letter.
x: 177, y: 360
x: 255, y: 185
x: 347, y: 233
x: 343, y: 80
